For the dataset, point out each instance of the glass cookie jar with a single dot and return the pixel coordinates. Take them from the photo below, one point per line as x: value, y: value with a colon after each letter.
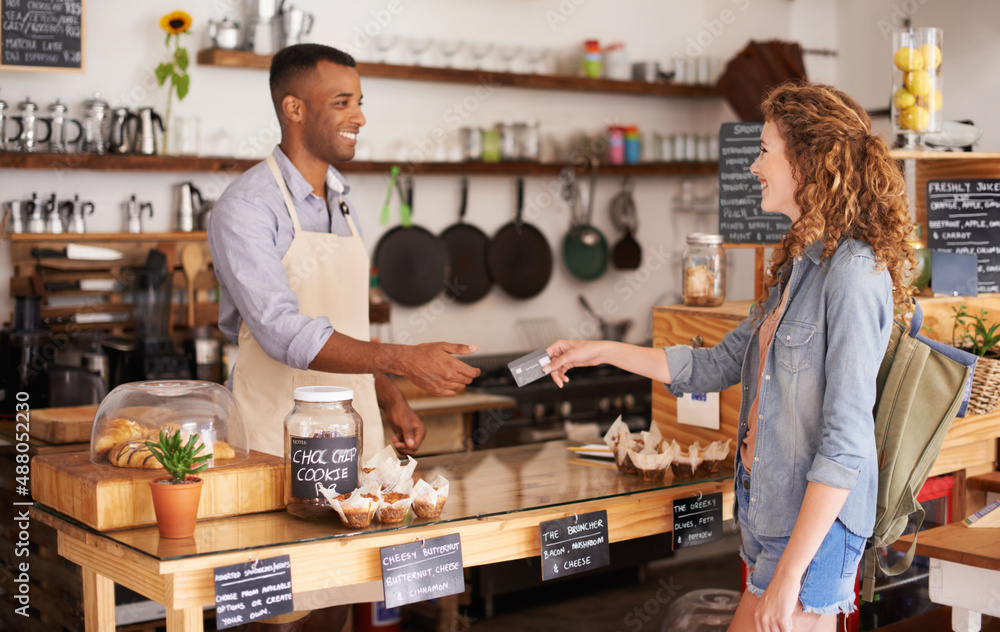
x: 323, y: 444
x: 704, y: 281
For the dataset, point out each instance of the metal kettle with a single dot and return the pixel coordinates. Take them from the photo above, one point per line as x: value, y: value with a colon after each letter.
x: 29, y: 140
x: 224, y: 34
x: 93, y: 125
x: 36, y: 214
x: 121, y: 138
x: 7, y: 142
x: 76, y: 212
x: 186, y: 207
x: 145, y: 135
x: 59, y: 141
x: 53, y: 217
x: 133, y: 214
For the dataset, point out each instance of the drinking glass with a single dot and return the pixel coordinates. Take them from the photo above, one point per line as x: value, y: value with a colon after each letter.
x: 509, y: 56
x: 448, y: 50
x: 479, y: 51
x: 384, y: 45
x: 418, y: 48
x: 537, y: 59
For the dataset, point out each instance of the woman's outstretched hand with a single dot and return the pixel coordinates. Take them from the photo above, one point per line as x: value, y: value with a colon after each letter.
x: 566, y: 354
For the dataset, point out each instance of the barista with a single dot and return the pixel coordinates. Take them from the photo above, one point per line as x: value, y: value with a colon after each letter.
x: 293, y: 270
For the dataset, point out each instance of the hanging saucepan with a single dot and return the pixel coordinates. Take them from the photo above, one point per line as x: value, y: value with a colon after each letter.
x: 412, y: 262
x: 469, y: 249
x: 585, y: 250
x: 520, y: 257
x: 626, y: 254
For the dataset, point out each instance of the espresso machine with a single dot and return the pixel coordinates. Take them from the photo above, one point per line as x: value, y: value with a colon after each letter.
x: 26, y: 350
x: 150, y: 355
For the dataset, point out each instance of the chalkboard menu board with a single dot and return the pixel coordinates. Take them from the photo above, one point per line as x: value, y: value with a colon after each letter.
x: 41, y: 34
x: 575, y: 544
x: 741, y: 220
x: 418, y: 571
x: 252, y: 591
x: 963, y: 216
x: 697, y: 520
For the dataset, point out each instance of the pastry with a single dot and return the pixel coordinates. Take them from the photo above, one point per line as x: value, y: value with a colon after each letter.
x: 134, y: 454
x: 117, y: 431
x: 429, y: 499
x: 222, y: 451
x: 359, y: 515
x: 393, y: 507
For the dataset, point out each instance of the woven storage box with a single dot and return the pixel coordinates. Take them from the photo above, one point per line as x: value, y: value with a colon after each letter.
x: 985, y: 387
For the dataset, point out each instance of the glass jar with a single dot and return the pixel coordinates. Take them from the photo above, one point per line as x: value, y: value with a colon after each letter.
x: 916, y: 83
x: 704, y: 270
x: 508, y: 141
x: 323, y: 446
x: 528, y: 140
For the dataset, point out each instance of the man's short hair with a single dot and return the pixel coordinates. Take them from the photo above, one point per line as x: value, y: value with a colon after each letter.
x: 290, y: 63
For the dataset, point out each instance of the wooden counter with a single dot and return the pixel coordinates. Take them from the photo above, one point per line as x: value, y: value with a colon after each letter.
x: 497, y: 500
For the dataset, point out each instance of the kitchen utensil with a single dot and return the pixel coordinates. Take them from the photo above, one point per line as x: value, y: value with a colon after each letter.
x: 205, y: 214
x: 191, y: 261
x: 648, y: 71
x: 133, y: 214
x: 86, y: 285
x: 80, y: 252
x: 151, y: 298
x: 87, y: 318
x: 295, y: 24
x: 412, y: 262
x: 36, y: 215
x: 122, y: 136
x: 53, y: 216
x: 520, y: 257
x: 393, y: 176
x: 585, y: 250
x: 145, y: 136
x: 224, y: 34
x: 468, y: 248
x: 7, y: 142
x: 186, y: 194
x: 626, y: 254
x: 16, y: 216
x: 76, y: 212
x: 75, y: 386
x: 610, y: 329
x: 94, y: 135
x: 58, y: 141
x: 264, y: 34
x: 29, y: 139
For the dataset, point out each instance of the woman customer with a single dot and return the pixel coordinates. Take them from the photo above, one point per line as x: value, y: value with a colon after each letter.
x: 807, y: 357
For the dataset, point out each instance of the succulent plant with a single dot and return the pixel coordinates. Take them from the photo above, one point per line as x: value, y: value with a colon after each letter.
x: 179, y: 460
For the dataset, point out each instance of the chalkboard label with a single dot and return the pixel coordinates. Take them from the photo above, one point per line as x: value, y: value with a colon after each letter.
x: 963, y: 216
x: 252, y: 591
x: 328, y: 461
x: 697, y: 520
x: 41, y: 34
x: 741, y: 220
x: 575, y: 544
x: 422, y: 570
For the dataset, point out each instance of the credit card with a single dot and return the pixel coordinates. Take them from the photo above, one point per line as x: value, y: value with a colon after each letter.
x: 528, y: 368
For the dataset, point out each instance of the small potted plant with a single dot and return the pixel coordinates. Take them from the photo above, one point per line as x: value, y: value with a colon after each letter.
x: 176, y: 497
x: 972, y: 332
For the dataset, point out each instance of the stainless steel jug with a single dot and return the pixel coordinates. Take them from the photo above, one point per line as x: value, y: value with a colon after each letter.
x: 76, y: 211
x: 122, y: 135
x: 29, y: 139
x: 224, y: 34
x: 7, y: 142
x: 53, y: 217
x: 94, y: 136
x: 59, y: 142
x: 16, y: 217
x: 145, y: 136
x: 186, y: 206
x: 133, y: 215
x: 36, y: 214
x: 295, y: 24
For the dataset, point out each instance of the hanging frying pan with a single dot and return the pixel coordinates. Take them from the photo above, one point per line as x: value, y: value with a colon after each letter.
x: 585, y: 250
x: 520, y: 257
x: 412, y: 262
x: 627, y: 253
x: 469, y: 248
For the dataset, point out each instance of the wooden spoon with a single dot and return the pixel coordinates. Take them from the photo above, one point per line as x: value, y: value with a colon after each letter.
x: 191, y: 261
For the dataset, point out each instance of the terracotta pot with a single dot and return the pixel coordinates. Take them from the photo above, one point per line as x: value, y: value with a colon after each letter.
x: 176, y: 506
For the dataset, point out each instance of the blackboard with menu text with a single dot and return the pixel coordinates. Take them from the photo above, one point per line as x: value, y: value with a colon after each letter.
x: 741, y: 220
x: 963, y: 216
x: 41, y: 34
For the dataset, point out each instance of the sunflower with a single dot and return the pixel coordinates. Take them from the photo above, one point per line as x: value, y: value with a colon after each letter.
x: 175, y: 22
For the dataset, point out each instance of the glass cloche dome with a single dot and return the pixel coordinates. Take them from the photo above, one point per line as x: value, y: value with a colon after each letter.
x: 137, y: 412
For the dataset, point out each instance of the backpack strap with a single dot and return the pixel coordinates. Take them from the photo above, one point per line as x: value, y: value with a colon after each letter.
x: 872, y: 559
x: 918, y: 319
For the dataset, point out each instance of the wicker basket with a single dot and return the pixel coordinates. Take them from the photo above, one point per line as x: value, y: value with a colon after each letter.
x: 985, y: 387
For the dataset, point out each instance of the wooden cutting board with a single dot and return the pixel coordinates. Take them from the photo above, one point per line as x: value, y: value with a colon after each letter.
x: 106, y: 497
x: 63, y: 425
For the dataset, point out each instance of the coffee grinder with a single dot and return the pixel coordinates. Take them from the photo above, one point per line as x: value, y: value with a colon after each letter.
x: 156, y: 358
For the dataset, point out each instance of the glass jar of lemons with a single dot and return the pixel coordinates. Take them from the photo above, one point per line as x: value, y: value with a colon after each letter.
x: 916, y: 83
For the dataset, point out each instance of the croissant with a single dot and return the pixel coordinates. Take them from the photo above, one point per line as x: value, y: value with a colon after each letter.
x: 222, y: 451
x: 134, y: 454
x: 166, y: 429
x: 117, y: 431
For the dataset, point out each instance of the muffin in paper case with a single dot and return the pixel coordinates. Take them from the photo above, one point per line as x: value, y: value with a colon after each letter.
x: 714, y: 455
x: 429, y: 498
x: 389, y: 474
x: 393, y: 506
x: 368, y: 467
x: 619, y: 439
x: 685, y: 464
x: 651, y: 465
x: 357, y: 508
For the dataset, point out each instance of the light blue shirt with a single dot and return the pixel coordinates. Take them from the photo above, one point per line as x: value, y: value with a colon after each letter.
x: 249, y: 232
x: 817, y: 390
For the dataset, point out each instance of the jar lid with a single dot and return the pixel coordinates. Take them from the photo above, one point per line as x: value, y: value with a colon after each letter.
x: 323, y: 394
x: 704, y: 238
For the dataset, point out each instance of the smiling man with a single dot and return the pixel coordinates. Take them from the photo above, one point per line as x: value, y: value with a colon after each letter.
x: 293, y: 270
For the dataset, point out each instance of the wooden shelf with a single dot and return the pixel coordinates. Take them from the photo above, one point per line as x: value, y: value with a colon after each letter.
x: 32, y: 238
x: 904, y: 154
x: 114, y: 162
x: 246, y: 59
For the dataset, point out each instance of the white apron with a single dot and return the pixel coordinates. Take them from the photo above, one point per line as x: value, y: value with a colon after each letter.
x: 329, y: 275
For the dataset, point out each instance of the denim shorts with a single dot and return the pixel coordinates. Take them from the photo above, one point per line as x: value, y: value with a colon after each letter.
x: 827, y: 584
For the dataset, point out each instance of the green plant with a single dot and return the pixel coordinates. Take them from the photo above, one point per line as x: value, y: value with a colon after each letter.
x: 176, y: 23
x: 179, y: 460
x: 975, y: 334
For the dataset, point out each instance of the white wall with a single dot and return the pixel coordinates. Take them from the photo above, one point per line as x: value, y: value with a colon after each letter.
x: 124, y: 44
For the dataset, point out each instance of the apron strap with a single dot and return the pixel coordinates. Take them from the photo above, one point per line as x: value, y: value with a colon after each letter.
x: 289, y: 204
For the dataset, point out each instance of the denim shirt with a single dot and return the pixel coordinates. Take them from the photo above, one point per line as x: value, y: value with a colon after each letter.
x: 817, y: 390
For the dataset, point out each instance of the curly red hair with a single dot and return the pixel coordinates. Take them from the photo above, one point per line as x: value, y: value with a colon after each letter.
x: 848, y: 185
